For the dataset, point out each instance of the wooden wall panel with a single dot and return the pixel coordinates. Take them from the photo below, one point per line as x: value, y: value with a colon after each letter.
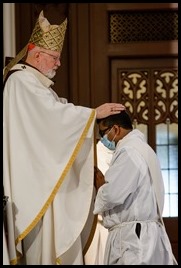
x: 84, y: 77
x: 171, y: 225
x: 102, y: 52
x: 79, y: 56
x: 100, y: 82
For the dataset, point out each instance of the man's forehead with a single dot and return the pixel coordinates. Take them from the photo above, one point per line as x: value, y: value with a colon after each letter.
x: 52, y: 52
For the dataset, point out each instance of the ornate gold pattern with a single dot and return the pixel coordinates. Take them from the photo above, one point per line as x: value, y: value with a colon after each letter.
x: 133, y: 89
x: 143, y: 26
x: 48, y: 36
x: 166, y: 96
x: 44, y: 35
x: 137, y: 89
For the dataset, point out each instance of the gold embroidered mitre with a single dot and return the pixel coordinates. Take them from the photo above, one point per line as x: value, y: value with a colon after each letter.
x: 48, y: 36
x: 44, y: 35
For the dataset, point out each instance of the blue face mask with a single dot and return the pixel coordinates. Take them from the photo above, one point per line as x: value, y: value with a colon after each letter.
x: 111, y: 145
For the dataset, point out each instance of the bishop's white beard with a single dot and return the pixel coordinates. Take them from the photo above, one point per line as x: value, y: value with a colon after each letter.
x: 50, y: 73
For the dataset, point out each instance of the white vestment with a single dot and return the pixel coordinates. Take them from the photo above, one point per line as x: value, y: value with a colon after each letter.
x: 47, y: 171
x: 127, y: 202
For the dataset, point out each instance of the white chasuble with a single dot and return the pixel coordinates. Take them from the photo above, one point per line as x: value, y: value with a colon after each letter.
x: 48, y: 169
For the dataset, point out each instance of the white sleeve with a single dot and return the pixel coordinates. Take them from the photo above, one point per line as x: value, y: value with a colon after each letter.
x: 121, y: 180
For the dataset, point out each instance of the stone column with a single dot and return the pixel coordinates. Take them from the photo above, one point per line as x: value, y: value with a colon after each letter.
x: 9, y: 46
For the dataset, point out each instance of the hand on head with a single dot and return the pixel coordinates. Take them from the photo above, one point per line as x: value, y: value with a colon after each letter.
x: 107, y: 109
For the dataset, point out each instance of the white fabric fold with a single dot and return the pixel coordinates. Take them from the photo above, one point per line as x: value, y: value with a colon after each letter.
x: 48, y: 163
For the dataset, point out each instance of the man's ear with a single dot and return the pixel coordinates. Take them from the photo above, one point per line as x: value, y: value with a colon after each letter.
x: 117, y: 129
x: 37, y: 55
x: 118, y: 132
